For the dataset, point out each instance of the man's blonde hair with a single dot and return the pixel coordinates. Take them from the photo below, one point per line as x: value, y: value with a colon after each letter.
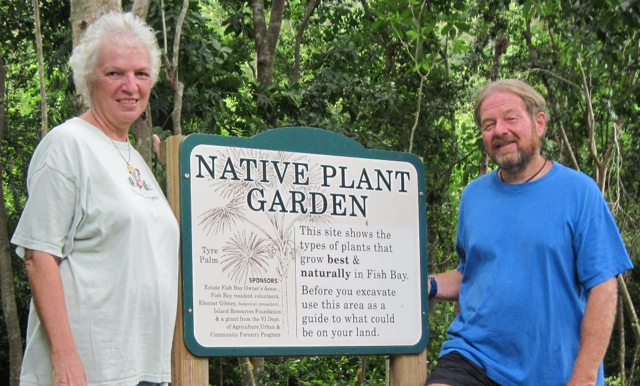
x: 534, y: 102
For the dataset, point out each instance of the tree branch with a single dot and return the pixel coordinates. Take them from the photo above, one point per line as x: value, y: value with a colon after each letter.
x: 43, y: 90
x: 7, y: 286
x: 172, y: 67
x: 266, y: 40
x: 591, y: 123
x: 311, y: 6
x: 177, y: 34
x: 635, y: 323
x: 140, y: 8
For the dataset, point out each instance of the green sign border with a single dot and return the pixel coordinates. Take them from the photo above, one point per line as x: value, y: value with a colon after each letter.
x: 297, y: 140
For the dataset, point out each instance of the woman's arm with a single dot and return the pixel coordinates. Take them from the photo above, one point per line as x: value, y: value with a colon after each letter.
x: 48, y: 298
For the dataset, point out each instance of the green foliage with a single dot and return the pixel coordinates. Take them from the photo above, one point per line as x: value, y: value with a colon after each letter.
x: 303, y: 371
x: 323, y: 371
x: 224, y: 372
x: 366, y: 73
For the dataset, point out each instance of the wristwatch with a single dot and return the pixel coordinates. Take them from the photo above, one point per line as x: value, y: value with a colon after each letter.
x: 434, y: 287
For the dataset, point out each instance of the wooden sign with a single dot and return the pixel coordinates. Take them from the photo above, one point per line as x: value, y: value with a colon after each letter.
x: 299, y: 241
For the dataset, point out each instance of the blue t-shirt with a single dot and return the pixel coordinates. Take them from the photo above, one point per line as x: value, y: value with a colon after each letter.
x: 529, y: 253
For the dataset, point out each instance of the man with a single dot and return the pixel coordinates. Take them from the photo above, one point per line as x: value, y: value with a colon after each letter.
x: 538, y: 252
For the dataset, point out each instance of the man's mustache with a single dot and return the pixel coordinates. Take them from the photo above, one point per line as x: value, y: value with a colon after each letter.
x: 498, y: 142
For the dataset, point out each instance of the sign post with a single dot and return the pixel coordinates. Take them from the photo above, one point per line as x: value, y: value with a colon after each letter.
x: 408, y: 370
x: 186, y: 369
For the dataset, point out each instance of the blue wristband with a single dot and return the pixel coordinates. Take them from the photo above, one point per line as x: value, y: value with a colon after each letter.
x: 434, y: 287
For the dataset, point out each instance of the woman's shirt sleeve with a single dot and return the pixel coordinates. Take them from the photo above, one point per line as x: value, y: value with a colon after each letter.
x: 51, y: 213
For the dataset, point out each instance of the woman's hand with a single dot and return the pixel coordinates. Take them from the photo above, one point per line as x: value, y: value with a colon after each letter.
x: 68, y: 370
x: 48, y: 298
x: 156, y: 144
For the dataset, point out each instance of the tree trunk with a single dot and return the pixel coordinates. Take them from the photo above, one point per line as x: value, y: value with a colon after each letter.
x: 141, y: 129
x: 383, y: 39
x: 43, y: 91
x: 305, y: 22
x: 416, y: 120
x: 252, y: 369
x: 172, y: 67
x: 83, y: 13
x: 557, y: 107
x: 266, y: 39
x: 415, y: 56
x: 7, y: 287
x: 258, y: 369
x: 502, y: 43
x: 501, y: 47
x: 446, y: 176
x: 622, y: 350
x: 140, y: 8
x: 362, y: 371
x: 600, y: 164
x: 626, y: 297
x: 246, y: 367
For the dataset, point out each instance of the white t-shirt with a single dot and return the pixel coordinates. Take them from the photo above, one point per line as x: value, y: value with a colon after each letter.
x: 118, y: 240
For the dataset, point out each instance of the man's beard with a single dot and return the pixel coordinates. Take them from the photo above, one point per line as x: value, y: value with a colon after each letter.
x: 514, y: 163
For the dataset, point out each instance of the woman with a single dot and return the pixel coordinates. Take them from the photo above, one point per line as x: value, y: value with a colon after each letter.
x: 99, y: 240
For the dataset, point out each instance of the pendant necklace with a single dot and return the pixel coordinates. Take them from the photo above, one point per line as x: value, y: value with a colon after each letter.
x: 130, y: 168
x: 530, y: 178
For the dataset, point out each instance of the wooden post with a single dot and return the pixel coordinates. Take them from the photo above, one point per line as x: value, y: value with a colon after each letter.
x: 408, y: 370
x: 186, y: 368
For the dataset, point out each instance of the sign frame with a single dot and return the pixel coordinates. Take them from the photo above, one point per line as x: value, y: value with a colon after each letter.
x: 297, y: 140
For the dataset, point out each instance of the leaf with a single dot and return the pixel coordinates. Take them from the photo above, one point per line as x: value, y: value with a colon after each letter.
x: 527, y: 9
x: 548, y: 10
x: 445, y: 30
x: 216, y: 44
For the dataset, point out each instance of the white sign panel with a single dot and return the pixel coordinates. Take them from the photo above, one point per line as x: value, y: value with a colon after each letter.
x: 294, y: 253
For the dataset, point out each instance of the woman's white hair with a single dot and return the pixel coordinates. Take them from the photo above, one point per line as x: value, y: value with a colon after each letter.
x: 122, y: 27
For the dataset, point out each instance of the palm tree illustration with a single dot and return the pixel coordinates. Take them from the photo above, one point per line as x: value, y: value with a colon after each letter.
x: 244, y: 256
x: 249, y: 255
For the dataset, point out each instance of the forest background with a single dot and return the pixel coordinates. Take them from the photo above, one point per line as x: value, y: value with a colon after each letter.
x: 391, y: 74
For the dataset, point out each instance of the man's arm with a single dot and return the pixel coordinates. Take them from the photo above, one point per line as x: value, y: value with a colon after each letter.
x: 597, y: 325
x: 48, y: 298
x: 448, y: 285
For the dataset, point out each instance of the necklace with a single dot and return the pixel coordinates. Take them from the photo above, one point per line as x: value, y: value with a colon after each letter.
x: 530, y: 178
x: 130, y: 168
